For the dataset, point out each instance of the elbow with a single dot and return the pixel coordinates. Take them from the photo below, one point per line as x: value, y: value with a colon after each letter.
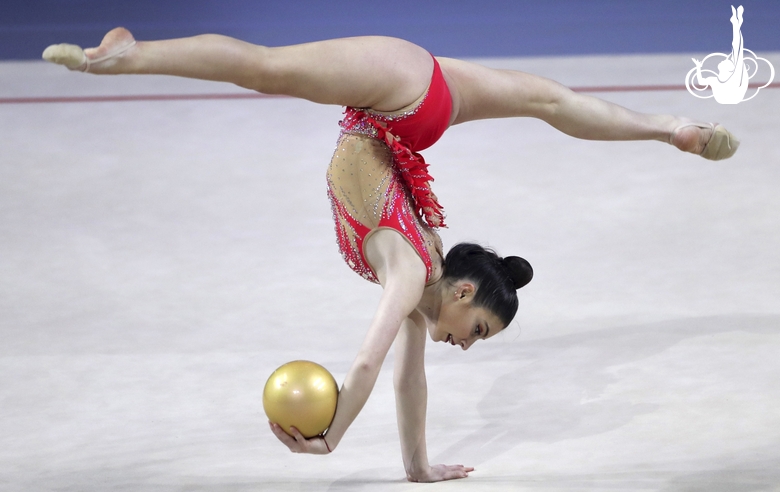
x: 407, y: 384
x: 365, y: 367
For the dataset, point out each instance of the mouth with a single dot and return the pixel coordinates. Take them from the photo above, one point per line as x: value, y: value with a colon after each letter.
x: 449, y: 339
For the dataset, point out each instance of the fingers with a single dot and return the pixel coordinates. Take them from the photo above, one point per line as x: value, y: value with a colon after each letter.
x: 296, y: 434
x: 291, y: 442
x: 278, y: 432
x: 438, y: 473
x: 297, y: 443
x: 298, y: 437
x: 455, y: 474
x: 457, y: 471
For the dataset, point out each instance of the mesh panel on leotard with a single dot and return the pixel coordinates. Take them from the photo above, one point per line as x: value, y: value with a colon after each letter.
x: 367, y: 193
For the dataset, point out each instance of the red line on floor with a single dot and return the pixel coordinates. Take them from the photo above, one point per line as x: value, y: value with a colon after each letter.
x: 140, y: 97
x: 647, y: 88
x: 207, y: 97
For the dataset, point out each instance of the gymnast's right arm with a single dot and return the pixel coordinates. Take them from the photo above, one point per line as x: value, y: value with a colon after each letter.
x: 402, y: 275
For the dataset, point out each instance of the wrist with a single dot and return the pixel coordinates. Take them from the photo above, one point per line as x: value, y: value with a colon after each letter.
x: 327, y: 446
x: 416, y: 472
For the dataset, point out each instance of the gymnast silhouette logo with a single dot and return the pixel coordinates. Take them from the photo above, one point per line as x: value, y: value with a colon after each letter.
x: 730, y: 83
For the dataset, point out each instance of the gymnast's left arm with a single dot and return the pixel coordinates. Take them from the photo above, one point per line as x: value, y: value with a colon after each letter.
x: 411, y: 401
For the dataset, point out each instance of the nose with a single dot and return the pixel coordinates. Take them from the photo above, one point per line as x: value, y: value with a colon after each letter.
x: 465, y: 344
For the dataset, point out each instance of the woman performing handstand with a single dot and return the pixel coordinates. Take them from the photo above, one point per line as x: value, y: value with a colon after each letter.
x: 399, y: 99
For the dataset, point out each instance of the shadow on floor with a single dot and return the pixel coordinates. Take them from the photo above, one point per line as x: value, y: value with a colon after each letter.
x: 558, y: 396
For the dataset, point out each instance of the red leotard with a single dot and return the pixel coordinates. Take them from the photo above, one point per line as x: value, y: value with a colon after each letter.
x: 382, y: 182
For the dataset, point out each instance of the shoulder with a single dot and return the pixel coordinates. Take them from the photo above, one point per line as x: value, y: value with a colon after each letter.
x: 395, y: 260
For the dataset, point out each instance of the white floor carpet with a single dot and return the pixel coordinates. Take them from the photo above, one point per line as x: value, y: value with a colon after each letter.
x: 159, y: 259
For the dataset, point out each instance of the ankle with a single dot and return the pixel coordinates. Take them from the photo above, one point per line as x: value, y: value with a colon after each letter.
x: 691, y: 137
x: 114, y: 55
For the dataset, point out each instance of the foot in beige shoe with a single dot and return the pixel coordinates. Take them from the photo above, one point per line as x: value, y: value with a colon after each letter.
x: 102, y: 59
x: 709, y: 140
x: 69, y: 55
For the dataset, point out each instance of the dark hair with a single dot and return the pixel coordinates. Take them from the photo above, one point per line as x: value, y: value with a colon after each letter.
x: 496, y: 279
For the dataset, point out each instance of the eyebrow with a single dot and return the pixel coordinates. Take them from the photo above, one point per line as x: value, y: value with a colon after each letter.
x: 487, y: 329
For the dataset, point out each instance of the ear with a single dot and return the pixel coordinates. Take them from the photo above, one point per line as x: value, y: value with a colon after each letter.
x: 465, y: 291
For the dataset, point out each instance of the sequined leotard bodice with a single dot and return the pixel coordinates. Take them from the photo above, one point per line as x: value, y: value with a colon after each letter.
x: 377, y: 179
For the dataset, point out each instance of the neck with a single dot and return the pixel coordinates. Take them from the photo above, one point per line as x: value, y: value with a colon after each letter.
x: 430, y: 302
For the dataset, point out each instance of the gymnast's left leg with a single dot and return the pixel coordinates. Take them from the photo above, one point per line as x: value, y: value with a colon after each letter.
x: 488, y: 93
x: 375, y: 72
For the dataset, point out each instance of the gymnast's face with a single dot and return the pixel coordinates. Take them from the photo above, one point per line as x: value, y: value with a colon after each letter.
x: 460, y: 323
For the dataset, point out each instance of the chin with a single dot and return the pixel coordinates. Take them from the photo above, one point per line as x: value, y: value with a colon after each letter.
x: 435, y: 335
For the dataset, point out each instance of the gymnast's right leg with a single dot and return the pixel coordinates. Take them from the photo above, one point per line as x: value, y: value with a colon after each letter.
x: 375, y: 72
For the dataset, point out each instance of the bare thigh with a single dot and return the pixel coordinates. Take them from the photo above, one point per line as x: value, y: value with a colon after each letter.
x: 375, y: 72
x: 480, y: 92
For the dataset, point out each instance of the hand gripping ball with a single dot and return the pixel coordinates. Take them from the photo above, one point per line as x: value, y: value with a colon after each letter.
x: 301, y: 394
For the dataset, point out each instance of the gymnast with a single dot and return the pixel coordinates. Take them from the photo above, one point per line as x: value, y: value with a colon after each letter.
x: 732, y: 81
x: 399, y: 100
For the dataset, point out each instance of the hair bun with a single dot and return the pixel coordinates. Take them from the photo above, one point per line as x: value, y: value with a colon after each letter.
x: 520, y: 271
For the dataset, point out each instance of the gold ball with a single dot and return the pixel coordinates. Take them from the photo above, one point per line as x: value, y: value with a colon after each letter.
x: 301, y: 394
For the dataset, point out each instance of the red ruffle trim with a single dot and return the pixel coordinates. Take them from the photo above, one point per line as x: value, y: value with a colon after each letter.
x: 414, y: 171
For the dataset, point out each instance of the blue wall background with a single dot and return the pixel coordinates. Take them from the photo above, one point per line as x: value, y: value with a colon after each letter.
x: 457, y: 28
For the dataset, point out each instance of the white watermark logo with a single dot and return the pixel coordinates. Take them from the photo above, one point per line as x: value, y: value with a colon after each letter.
x: 730, y: 83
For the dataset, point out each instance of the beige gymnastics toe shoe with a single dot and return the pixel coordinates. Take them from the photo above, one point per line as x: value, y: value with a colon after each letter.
x: 115, y: 44
x: 721, y: 145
